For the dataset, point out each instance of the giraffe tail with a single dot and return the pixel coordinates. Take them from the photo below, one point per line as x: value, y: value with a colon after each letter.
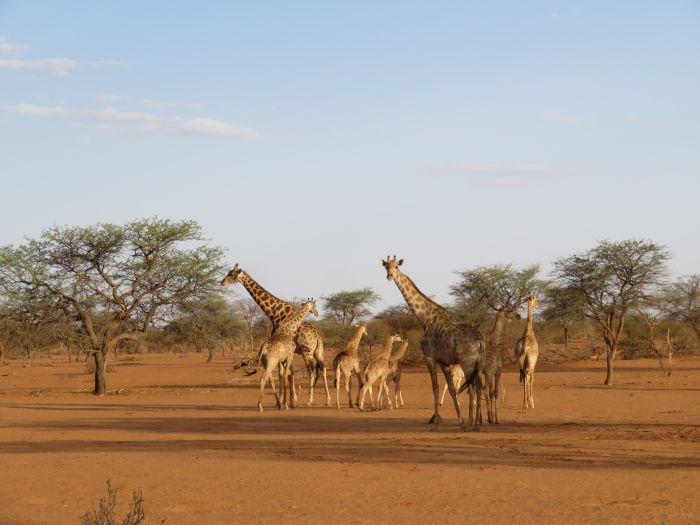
x: 522, y: 370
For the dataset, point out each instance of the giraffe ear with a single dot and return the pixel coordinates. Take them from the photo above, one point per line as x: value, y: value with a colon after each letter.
x: 400, y: 262
x: 382, y: 262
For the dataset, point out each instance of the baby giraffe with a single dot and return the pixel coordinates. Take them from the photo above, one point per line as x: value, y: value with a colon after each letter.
x: 347, y: 363
x: 378, y: 369
x: 279, y: 350
x: 395, y: 373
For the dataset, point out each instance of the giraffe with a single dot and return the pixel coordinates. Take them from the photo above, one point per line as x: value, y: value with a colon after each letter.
x: 308, y: 340
x: 445, y: 342
x: 378, y: 369
x: 347, y: 363
x: 279, y: 350
x: 395, y: 372
x: 526, y: 351
x: 493, y: 364
x: 457, y: 378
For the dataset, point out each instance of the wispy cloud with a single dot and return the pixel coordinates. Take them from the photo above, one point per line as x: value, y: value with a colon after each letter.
x: 7, y: 47
x: 51, y: 66
x: 562, y: 118
x: 147, y: 122
x: 112, y: 62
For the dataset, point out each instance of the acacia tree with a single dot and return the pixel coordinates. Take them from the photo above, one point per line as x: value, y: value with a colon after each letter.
x: 681, y: 301
x: 113, y: 281
x: 609, y: 281
x: 495, y: 287
x: 562, y: 307
x: 346, y: 307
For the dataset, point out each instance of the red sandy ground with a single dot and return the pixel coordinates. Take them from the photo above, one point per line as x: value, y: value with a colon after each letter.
x: 188, y: 434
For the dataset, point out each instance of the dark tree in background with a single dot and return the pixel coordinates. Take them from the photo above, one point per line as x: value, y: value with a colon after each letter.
x: 113, y: 281
x: 609, y: 281
x: 348, y: 307
x: 563, y: 307
x: 681, y: 301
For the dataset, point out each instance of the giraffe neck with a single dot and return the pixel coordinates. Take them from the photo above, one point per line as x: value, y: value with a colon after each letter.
x: 276, y: 309
x: 386, y: 352
x: 426, y: 310
x: 529, y: 315
x: 353, y: 345
x: 495, y: 335
x: 399, y: 354
x: 291, y: 324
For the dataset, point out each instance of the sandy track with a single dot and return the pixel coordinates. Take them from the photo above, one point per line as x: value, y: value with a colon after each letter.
x: 187, y: 434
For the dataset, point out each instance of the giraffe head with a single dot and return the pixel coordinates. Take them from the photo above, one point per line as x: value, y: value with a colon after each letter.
x: 396, y: 338
x: 309, y: 306
x: 232, y: 276
x: 392, y: 267
x: 532, y: 298
x: 362, y: 327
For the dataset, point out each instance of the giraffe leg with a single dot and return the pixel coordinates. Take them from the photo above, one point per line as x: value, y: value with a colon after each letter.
x: 311, y: 369
x: 447, y: 371
x: 371, y: 396
x: 532, y: 386
x: 263, y: 381
x: 325, y: 382
x: 360, y: 383
x: 337, y: 386
x: 292, y: 385
x: 386, y: 391
x: 283, y: 386
x: 348, y: 389
x: 436, y: 419
x: 442, y: 397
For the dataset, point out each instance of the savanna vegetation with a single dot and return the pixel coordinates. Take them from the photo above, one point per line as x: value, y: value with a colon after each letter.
x: 152, y: 285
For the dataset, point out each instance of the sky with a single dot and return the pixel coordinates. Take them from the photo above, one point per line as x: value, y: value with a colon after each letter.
x: 311, y: 139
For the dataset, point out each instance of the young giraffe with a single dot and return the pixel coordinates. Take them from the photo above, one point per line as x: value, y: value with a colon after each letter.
x: 526, y: 351
x: 493, y: 364
x: 308, y: 340
x: 279, y: 350
x: 395, y: 372
x: 378, y: 369
x: 445, y: 342
x: 347, y: 363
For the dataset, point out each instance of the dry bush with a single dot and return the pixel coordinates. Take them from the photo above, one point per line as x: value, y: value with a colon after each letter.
x: 104, y: 514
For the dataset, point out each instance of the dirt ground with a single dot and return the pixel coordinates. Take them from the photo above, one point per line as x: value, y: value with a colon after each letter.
x: 189, y: 435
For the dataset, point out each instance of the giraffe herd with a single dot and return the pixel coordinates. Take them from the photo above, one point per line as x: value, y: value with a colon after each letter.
x: 468, y: 360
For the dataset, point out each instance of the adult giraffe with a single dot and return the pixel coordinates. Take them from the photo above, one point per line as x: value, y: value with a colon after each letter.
x: 445, y: 342
x: 309, y: 344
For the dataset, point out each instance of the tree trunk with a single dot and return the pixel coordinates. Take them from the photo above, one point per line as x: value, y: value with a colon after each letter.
x: 211, y: 354
x: 70, y: 357
x: 611, y: 357
x: 566, y: 337
x: 100, y: 373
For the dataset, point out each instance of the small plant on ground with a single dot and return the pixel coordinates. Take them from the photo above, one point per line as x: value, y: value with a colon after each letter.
x: 104, y: 514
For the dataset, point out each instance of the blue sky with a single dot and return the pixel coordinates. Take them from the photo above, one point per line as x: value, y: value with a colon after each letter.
x: 312, y: 138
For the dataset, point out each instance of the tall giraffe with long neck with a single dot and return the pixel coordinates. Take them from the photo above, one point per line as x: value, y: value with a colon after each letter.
x: 347, y: 363
x: 309, y: 343
x: 445, y: 342
x: 526, y: 352
x: 279, y: 350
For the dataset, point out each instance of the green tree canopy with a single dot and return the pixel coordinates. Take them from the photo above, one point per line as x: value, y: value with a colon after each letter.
x: 347, y: 307
x: 610, y: 280
x: 113, y: 280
